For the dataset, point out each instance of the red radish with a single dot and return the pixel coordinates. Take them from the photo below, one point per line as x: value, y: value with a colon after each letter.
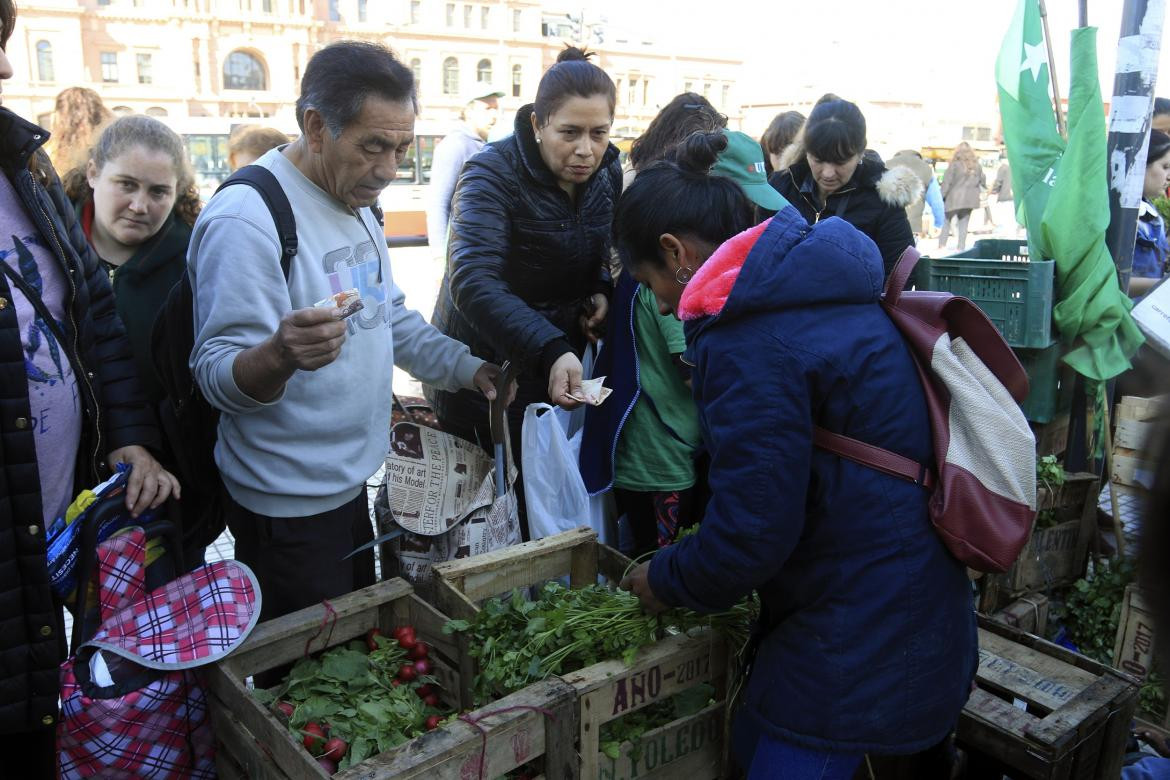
x: 335, y: 749
x: 286, y: 707
x: 424, y: 690
x: 422, y: 667
x: 398, y: 632
x: 372, y: 643
x: 431, y: 700
x: 329, y: 766
x: 396, y: 682
x: 407, y: 673
x: 419, y: 651
x: 314, y: 736
x: 407, y: 641
x: 433, y: 722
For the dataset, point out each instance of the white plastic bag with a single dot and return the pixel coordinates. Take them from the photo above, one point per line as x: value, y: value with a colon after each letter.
x: 554, y: 491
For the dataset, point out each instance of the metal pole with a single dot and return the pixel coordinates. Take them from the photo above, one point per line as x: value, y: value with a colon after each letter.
x: 1129, y: 124
x: 1083, y: 13
x: 1060, y: 126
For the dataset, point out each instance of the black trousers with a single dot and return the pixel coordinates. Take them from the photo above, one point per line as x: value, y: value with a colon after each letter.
x: 298, y: 560
x: 29, y: 755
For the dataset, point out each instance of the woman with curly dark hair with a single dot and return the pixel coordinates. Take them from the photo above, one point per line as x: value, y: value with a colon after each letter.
x: 136, y: 200
x: 78, y: 115
x: 686, y: 113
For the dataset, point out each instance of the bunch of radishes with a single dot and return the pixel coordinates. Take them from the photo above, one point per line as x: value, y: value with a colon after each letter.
x: 404, y: 652
x: 316, y: 739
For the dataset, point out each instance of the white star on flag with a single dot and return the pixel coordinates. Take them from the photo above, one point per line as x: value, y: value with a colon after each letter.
x: 1034, y: 59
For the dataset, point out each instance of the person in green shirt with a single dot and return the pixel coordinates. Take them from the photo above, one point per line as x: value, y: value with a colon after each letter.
x: 654, y: 468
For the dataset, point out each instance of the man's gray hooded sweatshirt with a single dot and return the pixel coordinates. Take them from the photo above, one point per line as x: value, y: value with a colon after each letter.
x: 312, y: 448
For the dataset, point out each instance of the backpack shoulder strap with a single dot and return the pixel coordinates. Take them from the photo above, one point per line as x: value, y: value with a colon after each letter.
x: 263, y: 181
x: 875, y: 458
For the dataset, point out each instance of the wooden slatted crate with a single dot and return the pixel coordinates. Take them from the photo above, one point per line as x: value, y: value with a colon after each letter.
x: 1136, y: 420
x: 1133, y: 650
x: 690, y: 747
x: 1045, y: 712
x: 252, y: 743
x: 1056, y: 555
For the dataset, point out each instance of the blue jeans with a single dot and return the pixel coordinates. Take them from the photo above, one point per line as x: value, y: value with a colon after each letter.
x: 770, y: 759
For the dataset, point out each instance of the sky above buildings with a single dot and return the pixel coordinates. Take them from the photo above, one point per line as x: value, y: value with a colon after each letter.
x: 939, y: 53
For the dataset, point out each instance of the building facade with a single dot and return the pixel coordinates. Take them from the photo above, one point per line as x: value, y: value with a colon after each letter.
x: 198, y: 61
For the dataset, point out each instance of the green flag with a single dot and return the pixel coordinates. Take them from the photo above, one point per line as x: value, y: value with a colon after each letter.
x: 1092, y: 311
x: 1063, y: 197
x: 1029, y: 125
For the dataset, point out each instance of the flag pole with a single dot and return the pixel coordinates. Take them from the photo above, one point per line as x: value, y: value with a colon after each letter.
x: 1060, y: 125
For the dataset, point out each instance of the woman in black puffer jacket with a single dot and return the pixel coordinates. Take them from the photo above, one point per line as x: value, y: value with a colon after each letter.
x: 71, y: 407
x: 828, y: 172
x: 527, y: 258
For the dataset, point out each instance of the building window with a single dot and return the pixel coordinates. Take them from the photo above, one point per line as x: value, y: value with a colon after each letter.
x: 450, y: 14
x: 121, y: 111
x: 363, y: 11
x: 483, y: 72
x: 484, y: 17
x: 334, y: 11
x: 517, y: 78
x: 633, y: 97
x: 103, y: 2
x: 156, y: 111
x: 689, y: 86
x: 415, y: 11
x: 266, y: 6
x: 725, y: 100
x: 242, y: 70
x: 450, y: 76
x: 467, y: 11
x: 109, y: 66
x: 45, y: 61
x: 145, y: 68
x: 516, y: 20
x: 416, y: 69
x: 707, y: 89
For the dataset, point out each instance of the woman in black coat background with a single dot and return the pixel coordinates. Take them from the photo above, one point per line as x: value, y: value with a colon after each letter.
x: 527, y: 275
x: 828, y: 172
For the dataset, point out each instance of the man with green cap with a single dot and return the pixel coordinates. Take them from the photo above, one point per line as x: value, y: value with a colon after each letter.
x: 642, y: 442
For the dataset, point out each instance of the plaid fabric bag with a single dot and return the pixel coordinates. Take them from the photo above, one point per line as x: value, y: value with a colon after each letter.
x: 132, y: 702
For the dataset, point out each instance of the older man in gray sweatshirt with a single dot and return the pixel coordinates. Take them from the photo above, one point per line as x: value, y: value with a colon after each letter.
x: 305, y: 395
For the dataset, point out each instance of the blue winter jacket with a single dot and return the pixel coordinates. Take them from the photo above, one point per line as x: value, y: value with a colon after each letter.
x: 872, y: 641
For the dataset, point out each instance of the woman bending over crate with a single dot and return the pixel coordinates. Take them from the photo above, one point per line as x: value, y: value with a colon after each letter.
x: 867, y: 641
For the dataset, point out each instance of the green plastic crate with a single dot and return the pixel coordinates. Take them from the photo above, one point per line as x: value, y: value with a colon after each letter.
x: 1015, y: 293
x: 1050, y: 383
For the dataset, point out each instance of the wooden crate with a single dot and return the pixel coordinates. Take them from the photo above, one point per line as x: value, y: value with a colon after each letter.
x: 1056, y: 555
x: 1133, y: 651
x: 1046, y: 712
x: 252, y: 743
x: 1052, y: 437
x: 610, y: 689
x: 1027, y: 613
x: 1136, y: 420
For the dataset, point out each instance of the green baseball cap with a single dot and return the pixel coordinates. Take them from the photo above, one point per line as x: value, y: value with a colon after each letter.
x: 743, y: 162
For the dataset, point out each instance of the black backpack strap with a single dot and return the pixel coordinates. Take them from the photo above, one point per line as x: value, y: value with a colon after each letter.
x: 263, y: 181
x: 376, y: 210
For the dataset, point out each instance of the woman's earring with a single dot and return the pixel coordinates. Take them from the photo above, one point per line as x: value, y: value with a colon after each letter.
x: 538, y: 139
x: 684, y: 275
